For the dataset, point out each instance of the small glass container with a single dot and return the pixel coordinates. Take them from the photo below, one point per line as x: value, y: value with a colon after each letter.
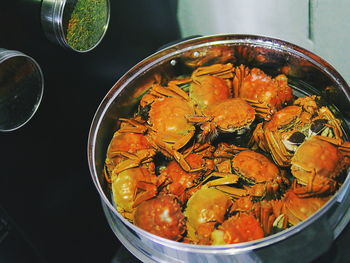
x: 77, y: 25
x: 21, y: 89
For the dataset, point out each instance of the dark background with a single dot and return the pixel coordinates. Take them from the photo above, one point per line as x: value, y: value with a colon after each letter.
x: 50, y: 205
x: 45, y: 185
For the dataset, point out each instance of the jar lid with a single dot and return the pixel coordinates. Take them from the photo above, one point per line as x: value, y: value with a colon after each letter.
x: 78, y: 25
x: 21, y: 89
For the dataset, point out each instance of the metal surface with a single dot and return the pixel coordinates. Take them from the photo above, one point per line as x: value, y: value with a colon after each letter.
x: 21, y: 89
x: 52, y: 16
x: 307, y: 73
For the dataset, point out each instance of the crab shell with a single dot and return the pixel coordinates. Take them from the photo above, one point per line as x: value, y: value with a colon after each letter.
x: 205, y: 208
x: 319, y: 156
x: 161, y: 216
x: 179, y: 180
x: 232, y: 115
x: 208, y: 90
x: 284, y: 118
x: 167, y: 117
x: 126, y: 184
x: 238, y: 228
x: 273, y: 136
x: 254, y: 84
x: 259, y: 170
x: 124, y: 142
x: 298, y: 209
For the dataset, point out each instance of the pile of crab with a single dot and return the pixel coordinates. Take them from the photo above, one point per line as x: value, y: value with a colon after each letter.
x: 225, y: 155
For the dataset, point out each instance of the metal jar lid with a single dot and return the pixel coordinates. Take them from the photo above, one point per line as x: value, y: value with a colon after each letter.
x: 77, y: 25
x: 21, y: 89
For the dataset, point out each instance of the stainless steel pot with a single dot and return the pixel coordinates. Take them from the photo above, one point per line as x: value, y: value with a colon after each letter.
x: 307, y: 73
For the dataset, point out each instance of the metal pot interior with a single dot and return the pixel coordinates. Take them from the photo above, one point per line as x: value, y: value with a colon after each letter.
x: 307, y: 74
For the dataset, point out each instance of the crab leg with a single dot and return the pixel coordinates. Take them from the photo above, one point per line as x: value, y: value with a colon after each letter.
x: 133, y: 160
x: 150, y: 190
x: 218, y: 70
x: 169, y: 91
x: 345, y: 148
x: 225, y: 178
x: 180, y: 82
x: 227, y: 151
x: 336, y: 125
x: 240, y: 73
x: 278, y: 151
x: 313, y: 184
x: 262, y: 109
x: 334, y: 141
x: 171, y: 149
x: 258, y: 138
x: 135, y: 126
x: 236, y: 192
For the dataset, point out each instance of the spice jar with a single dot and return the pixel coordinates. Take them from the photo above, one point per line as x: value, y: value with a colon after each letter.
x: 21, y: 89
x: 78, y: 25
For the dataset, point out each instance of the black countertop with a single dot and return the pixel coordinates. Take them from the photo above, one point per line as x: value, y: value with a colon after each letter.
x: 45, y: 185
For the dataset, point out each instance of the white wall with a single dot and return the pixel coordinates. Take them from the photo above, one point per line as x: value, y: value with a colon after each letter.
x: 321, y: 26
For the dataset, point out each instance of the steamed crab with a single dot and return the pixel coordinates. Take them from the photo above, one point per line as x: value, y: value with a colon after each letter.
x: 262, y: 210
x: 239, y: 228
x: 316, y: 165
x: 292, y: 209
x: 229, y: 116
x: 130, y: 170
x: 168, y: 127
x: 255, y: 86
x: 204, y: 210
x: 262, y: 178
x: 181, y: 183
x: 128, y: 149
x: 290, y: 126
x: 133, y: 186
x: 208, y: 85
x: 161, y: 216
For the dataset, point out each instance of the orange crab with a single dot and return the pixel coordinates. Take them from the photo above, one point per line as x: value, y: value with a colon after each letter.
x: 239, y: 228
x: 262, y: 178
x: 262, y: 210
x: 231, y: 115
x: 205, y: 208
x: 255, y: 168
x: 127, y: 149
x: 208, y: 85
x: 290, y: 126
x: 161, y: 216
x: 178, y: 181
x: 293, y: 209
x: 208, y: 90
x: 254, y: 85
x: 129, y: 168
x: 317, y: 163
x: 133, y: 186
x: 168, y: 127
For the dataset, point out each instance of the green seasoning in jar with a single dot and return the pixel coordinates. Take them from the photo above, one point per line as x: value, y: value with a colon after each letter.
x: 85, y: 22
